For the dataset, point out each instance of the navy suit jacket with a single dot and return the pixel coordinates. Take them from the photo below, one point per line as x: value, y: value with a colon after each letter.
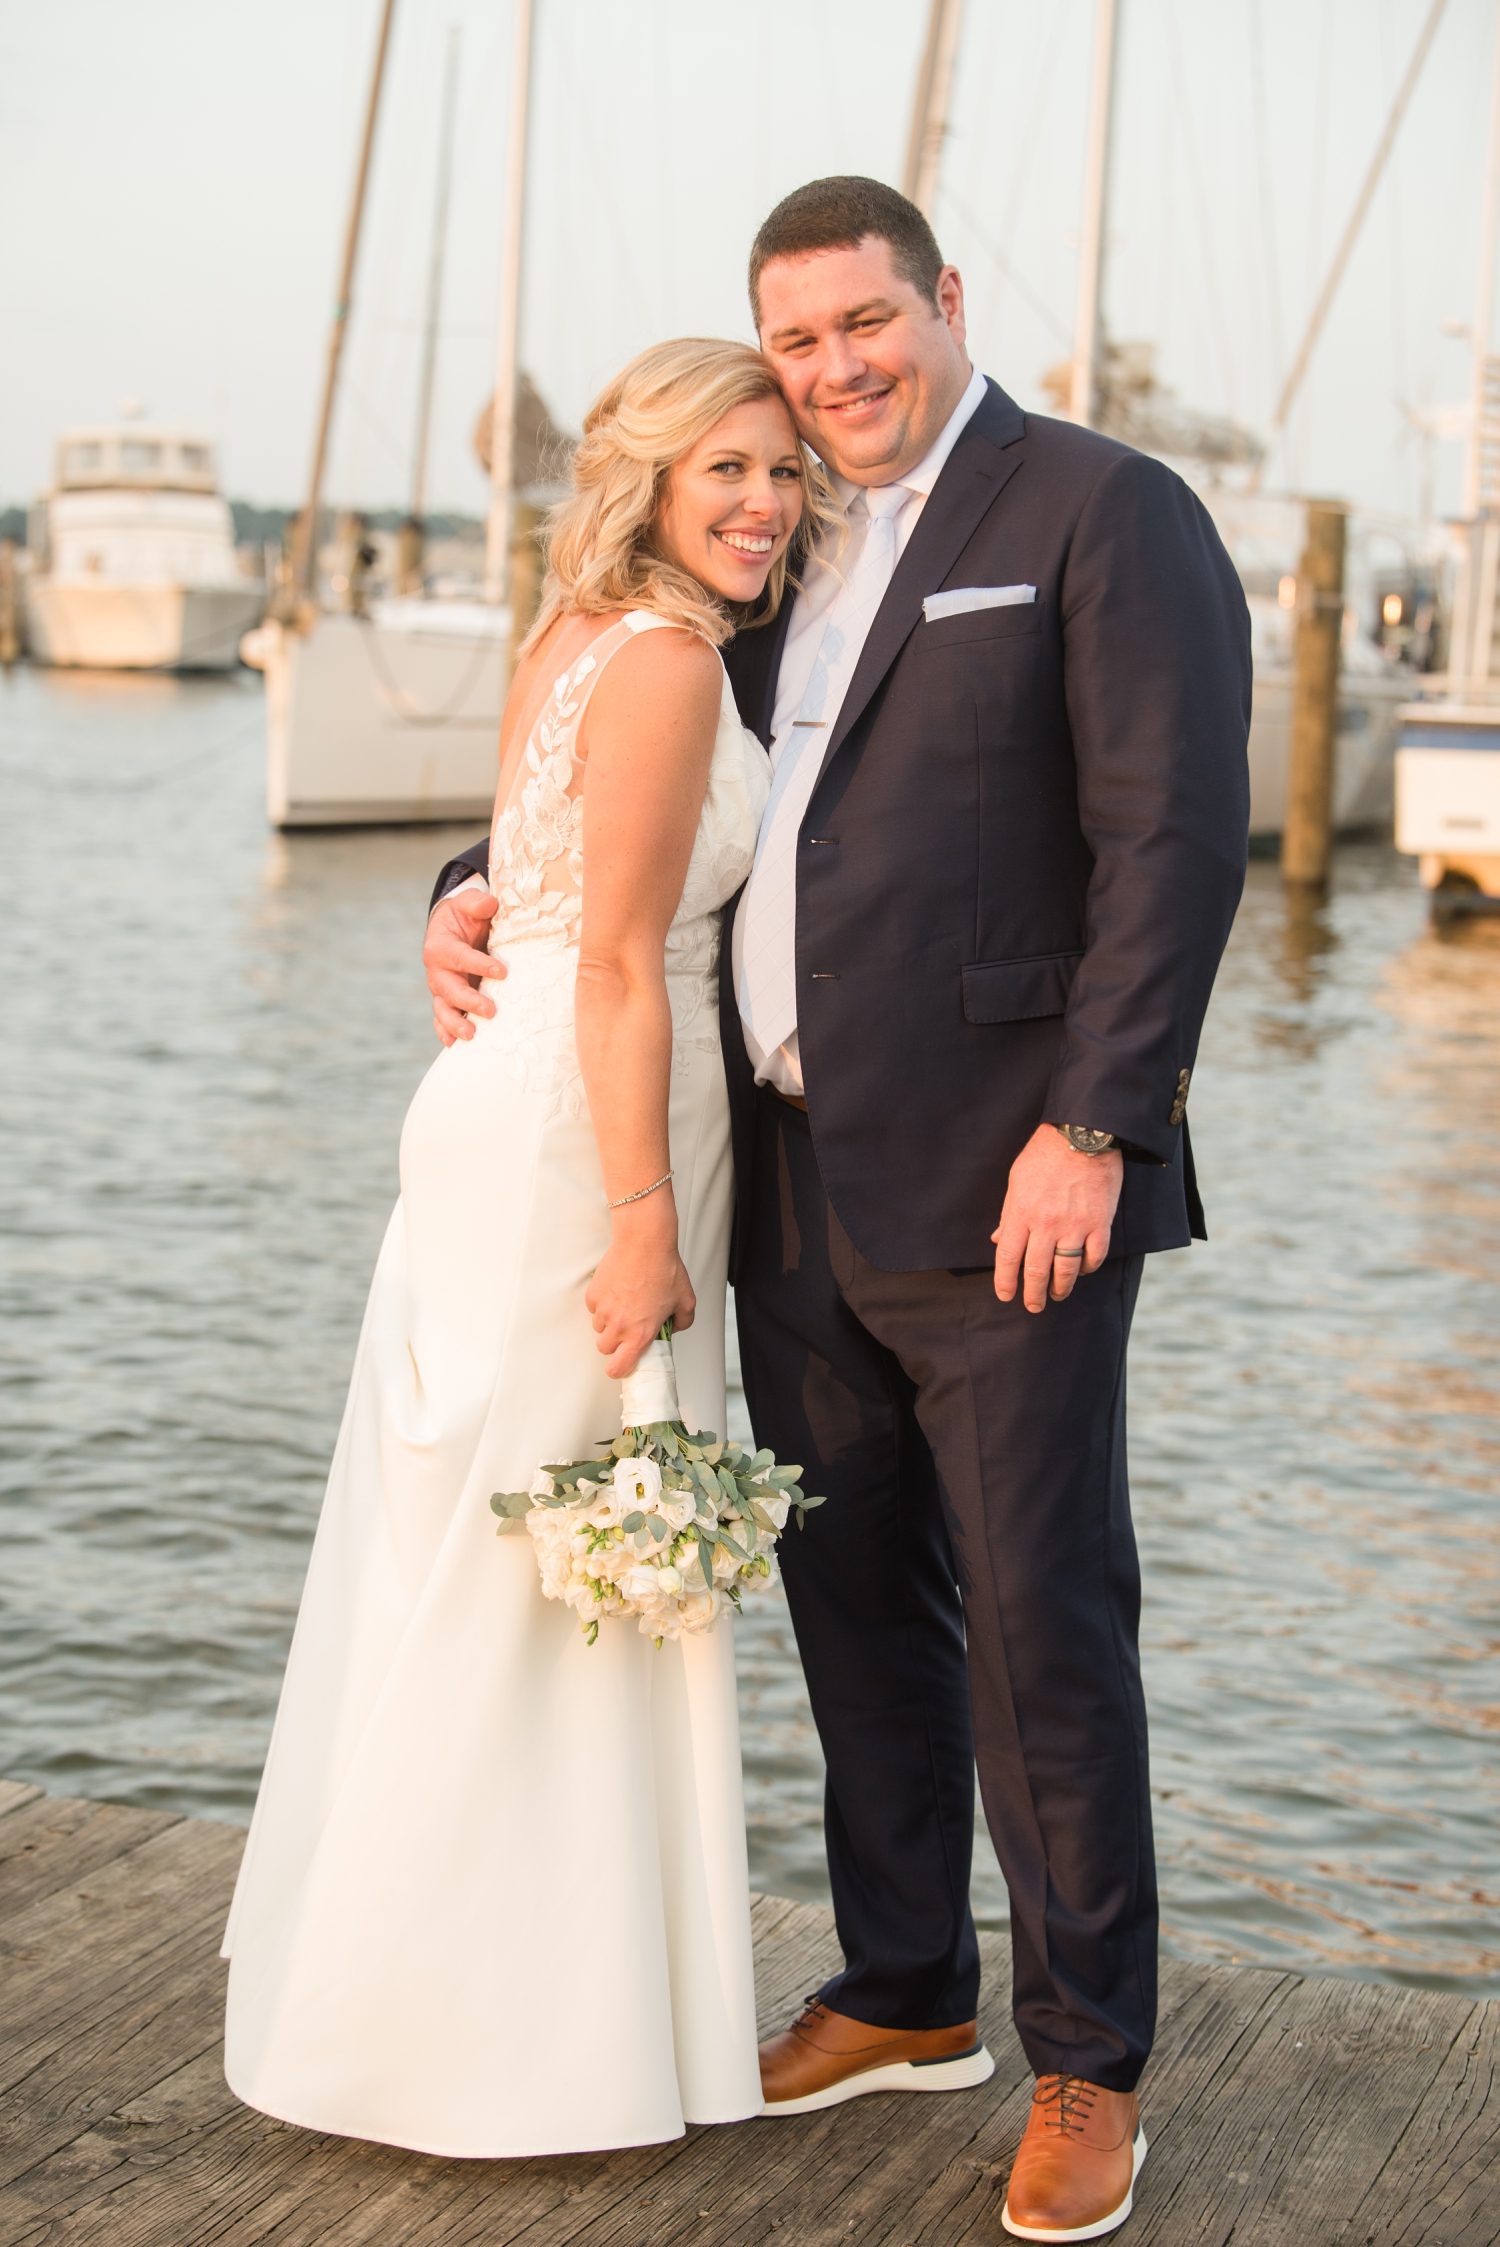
x: 1023, y: 855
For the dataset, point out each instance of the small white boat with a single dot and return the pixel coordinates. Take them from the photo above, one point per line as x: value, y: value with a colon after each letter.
x: 390, y: 717
x: 137, y: 569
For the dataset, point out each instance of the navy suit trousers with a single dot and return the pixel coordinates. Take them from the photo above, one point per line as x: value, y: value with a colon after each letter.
x: 970, y: 1592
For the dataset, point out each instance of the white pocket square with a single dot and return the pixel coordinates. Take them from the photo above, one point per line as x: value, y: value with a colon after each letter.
x: 966, y: 597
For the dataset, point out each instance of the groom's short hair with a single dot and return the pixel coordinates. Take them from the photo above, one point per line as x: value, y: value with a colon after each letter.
x: 837, y: 214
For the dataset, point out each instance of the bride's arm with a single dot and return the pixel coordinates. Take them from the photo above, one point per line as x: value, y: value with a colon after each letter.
x: 649, y: 735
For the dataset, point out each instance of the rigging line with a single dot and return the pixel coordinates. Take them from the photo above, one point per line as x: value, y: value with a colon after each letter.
x: 830, y: 79
x: 1021, y: 286
x: 1269, y: 250
x: 1316, y: 187
x: 1357, y: 216
x: 609, y: 197
x: 1200, y: 210
x: 1393, y: 234
x: 1039, y: 98
x: 978, y: 71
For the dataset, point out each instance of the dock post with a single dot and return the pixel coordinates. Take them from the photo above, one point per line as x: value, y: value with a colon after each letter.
x: 1306, y: 839
x: 10, y: 633
x: 526, y: 571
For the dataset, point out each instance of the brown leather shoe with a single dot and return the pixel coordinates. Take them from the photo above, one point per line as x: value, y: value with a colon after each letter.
x: 825, y: 2058
x: 1079, y: 2159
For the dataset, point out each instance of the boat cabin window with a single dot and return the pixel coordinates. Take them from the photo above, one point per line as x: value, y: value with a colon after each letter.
x: 83, y: 460
x: 195, y: 458
x: 136, y: 456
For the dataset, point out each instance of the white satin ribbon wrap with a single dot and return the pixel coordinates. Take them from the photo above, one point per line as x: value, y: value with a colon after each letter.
x: 650, y: 1393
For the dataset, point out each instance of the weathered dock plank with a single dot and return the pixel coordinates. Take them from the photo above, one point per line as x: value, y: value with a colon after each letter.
x: 1280, y: 2108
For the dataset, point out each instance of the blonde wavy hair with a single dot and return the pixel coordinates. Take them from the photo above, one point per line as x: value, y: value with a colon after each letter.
x: 600, y: 555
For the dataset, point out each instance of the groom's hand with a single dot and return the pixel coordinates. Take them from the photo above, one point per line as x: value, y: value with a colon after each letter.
x: 1056, y: 1199
x: 455, y: 959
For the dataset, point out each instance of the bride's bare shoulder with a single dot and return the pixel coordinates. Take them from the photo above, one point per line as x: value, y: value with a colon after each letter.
x: 665, y: 664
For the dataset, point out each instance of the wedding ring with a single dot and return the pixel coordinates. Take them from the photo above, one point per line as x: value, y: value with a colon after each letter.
x: 1068, y: 1252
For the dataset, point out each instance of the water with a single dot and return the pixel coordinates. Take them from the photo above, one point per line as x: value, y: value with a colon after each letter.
x: 210, y: 1035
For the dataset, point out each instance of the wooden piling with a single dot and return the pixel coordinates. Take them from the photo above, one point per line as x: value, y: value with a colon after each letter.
x: 526, y: 572
x: 10, y: 626
x: 1307, y: 836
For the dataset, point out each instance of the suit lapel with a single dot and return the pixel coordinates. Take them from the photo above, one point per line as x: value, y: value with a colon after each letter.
x: 979, y: 466
x: 753, y: 661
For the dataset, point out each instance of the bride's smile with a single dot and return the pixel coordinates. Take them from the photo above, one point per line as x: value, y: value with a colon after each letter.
x: 730, y: 505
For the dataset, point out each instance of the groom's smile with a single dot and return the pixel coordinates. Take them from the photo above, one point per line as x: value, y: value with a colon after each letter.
x: 872, y: 366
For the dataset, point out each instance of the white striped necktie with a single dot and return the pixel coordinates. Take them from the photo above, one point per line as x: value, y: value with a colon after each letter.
x: 768, y: 970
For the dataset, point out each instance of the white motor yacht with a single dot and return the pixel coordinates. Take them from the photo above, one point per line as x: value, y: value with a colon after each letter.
x: 136, y: 567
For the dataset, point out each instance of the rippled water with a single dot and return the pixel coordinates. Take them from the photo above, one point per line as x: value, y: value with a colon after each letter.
x: 210, y: 1035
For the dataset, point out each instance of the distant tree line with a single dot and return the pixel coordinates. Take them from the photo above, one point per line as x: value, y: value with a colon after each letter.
x: 264, y: 526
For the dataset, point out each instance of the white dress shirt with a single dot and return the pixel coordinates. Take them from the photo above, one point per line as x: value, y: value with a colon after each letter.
x: 782, y: 1068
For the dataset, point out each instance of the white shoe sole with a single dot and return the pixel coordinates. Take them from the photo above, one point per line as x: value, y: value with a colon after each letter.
x: 958, y: 2074
x: 1111, y: 2222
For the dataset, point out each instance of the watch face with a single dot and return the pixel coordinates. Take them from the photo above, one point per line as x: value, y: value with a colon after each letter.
x: 1087, y: 1142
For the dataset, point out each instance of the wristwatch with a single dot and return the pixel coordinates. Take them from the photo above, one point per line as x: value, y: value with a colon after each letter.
x: 1086, y: 1142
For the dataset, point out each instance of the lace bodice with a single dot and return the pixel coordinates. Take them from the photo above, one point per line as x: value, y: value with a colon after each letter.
x: 537, y: 871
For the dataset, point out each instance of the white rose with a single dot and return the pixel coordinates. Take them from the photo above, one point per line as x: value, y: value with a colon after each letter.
x: 701, y: 1609
x: 638, y: 1583
x: 668, y: 1581
x: 726, y: 1565
x: 677, y: 1508
x: 540, y: 1485
x: 637, y: 1484
x: 775, y: 1504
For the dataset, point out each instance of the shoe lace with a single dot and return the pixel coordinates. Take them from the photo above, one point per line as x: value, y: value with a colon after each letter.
x: 811, y: 2008
x: 1066, y: 2102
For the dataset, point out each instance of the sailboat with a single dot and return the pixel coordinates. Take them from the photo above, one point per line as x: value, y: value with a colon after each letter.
x: 1448, y: 764
x: 1111, y: 386
x: 388, y: 712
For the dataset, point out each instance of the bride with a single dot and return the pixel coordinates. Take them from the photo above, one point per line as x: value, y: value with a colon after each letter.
x: 494, y: 1899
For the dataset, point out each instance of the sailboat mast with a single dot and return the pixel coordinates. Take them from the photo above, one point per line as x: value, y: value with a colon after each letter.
x: 435, y: 278
x: 1475, y: 478
x: 1087, y: 324
x: 930, y: 105
x: 497, y: 566
x: 304, y: 544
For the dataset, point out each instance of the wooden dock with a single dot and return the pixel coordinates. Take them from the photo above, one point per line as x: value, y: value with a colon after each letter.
x: 1282, y: 2111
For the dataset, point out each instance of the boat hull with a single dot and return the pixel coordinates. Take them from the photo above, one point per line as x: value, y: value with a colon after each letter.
x: 112, y: 627
x: 381, y: 724
x: 1448, y: 795
x: 1365, y: 762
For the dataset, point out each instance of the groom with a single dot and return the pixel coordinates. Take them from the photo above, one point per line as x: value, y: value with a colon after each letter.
x: 961, y: 1005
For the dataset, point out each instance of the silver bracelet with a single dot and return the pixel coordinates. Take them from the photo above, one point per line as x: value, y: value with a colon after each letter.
x: 642, y: 1192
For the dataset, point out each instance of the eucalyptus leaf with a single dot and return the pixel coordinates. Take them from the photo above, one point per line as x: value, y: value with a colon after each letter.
x: 633, y: 1522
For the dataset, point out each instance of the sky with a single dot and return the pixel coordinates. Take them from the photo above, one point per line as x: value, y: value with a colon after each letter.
x: 176, y: 174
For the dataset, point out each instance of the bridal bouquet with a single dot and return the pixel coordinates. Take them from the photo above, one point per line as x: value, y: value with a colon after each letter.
x: 669, y: 1527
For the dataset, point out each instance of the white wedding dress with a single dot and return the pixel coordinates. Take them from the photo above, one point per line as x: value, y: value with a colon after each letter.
x: 495, y: 1899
